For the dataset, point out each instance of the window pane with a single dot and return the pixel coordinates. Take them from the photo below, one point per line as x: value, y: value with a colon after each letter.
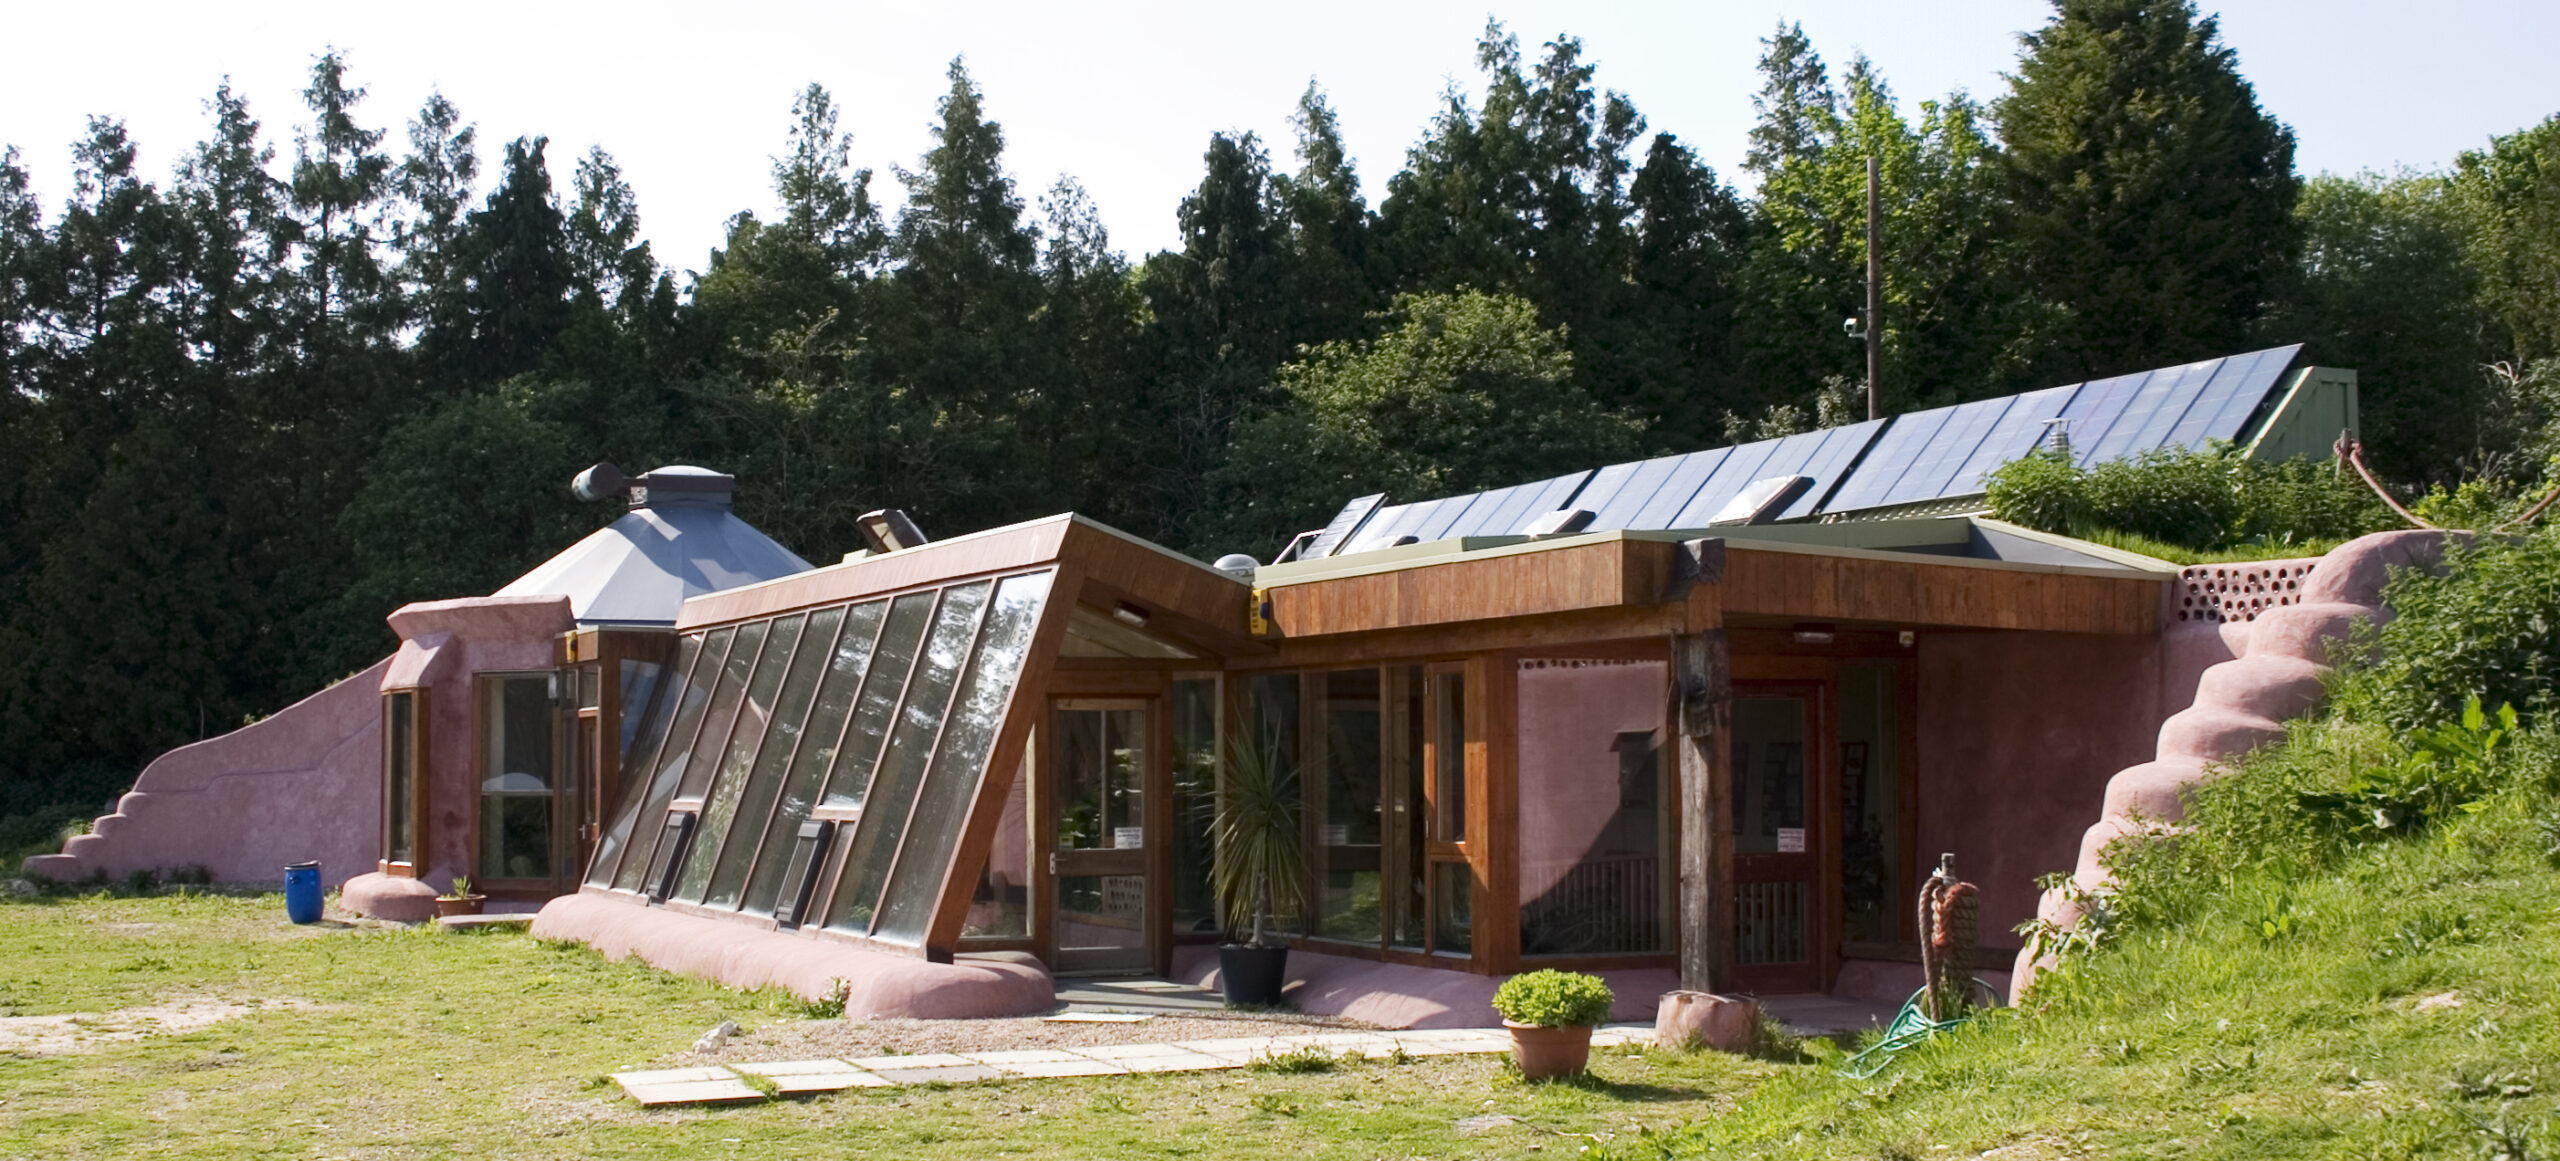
x: 713, y: 741
x: 399, y: 745
x: 1871, y: 857
x: 746, y: 736
x: 1272, y: 712
x: 1453, y: 901
x: 1001, y: 906
x: 1449, y: 758
x: 817, y: 750
x: 1195, y: 801
x: 516, y: 777
x: 687, y: 699
x: 902, y: 760
x: 1101, y: 771
x: 1405, y: 777
x: 908, y: 617
x: 1347, y: 823
x: 639, y: 679
x: 764, y: 781
x: 960, y: 759
x: 1594, y: 825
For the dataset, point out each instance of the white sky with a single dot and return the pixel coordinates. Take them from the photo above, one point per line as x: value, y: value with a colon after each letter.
x: 694, y: 99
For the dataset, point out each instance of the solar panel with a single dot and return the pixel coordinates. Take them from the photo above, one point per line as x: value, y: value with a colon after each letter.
x: 2021, y: 430
x: 2093, y: 412
x: 1829, y: 457
x: 1733, y: 473
x: 1442, y: 513
x: 1905, y: 438
x: 1503, y: 511
x: 1343, y: 524
x: 2247, y: 383
x: 1383, y: 528
x: 1693, y: 470
x: 1966, y: 426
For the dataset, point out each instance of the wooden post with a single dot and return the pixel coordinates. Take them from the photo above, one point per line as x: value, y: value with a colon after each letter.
x: 1705, y: 675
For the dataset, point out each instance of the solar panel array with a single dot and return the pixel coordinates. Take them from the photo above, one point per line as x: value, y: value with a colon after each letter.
x: 1909, y: 459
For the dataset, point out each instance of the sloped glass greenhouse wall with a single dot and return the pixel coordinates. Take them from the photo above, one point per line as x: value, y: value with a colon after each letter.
x: 885, y: 709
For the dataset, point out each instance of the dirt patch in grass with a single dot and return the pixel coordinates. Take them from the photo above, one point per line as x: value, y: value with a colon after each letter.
x: 813, y: 1039
x: 70, y: 1032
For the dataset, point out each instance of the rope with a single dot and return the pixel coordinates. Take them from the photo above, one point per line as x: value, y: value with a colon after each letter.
x: 1949, y: 916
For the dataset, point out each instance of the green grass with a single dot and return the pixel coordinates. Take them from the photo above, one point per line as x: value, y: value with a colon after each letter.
x: 421, y: 1044
x: 2241, y: 553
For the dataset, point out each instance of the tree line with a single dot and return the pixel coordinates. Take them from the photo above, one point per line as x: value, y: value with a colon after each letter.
x: 256, y: 403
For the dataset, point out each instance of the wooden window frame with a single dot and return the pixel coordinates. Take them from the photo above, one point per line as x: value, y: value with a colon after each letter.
x: 419, y: 732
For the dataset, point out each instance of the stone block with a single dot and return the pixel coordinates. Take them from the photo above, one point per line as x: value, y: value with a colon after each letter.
x: 1692, y: 1019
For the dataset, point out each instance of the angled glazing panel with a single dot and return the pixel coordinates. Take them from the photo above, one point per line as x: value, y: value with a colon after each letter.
x: 903, y: 758
x: 1339, y: 529
x: 1828, y: 457
x: 959, y: 760
x: 2022, y: 429
x: 2094, y: 410
x: 816, y: 751
x: 640, y: 761
x: 1937, y: 463
x: 1542, y: 497
x: 1440, y: 515
x: 1892, y: 455
x: 2248, y: 382
x: 791, y: 720
x: 1644, y: 478
x: 859, y: 753
x: 729, y: 779
x: 713, y: 741
x: 2173, y: 392
x: 1483, y: 508
x: 691, y: 704
x: 1383, y: 529
x: 1751, y: 461
x: 1691, y: 474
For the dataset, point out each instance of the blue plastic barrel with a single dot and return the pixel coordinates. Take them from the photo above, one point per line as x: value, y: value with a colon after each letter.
x: 302, y: 892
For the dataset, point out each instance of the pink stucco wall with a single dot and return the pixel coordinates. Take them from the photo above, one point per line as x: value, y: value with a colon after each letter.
x: 443, y: 646
x: 303, y: 784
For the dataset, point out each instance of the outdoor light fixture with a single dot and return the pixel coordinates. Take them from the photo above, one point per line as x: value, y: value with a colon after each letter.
x: 1908, y: 637
x: 1815, y: 634
x: 1130, y: 615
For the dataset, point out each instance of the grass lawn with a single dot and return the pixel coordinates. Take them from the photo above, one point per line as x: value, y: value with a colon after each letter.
x: 368, y: 1043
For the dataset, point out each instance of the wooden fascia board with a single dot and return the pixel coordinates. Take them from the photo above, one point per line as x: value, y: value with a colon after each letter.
x: 1610, y: 573
x: 1181, y: 597
x: 1873, y: 587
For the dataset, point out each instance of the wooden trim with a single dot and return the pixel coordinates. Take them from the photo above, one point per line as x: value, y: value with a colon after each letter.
x: 1159, y: 835
x: 1493, y: 830
x: 1575, y: 630
x: 421, y: 736
x: 1025, y: 717
x: 1610, y: 573
x: 1767, y: 581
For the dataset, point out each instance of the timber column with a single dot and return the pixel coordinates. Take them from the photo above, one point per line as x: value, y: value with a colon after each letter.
x: 1704, y: 669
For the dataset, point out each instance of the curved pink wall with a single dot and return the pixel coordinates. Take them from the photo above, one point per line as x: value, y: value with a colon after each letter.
x: 2283, y: 618
x: 306, y: 783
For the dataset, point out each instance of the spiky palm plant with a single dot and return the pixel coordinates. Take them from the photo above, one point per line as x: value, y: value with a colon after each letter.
x: 1258, y: 866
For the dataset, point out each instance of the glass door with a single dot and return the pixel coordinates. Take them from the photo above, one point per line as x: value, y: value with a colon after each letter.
x: 1099, y: 837
x: 1779, y: 840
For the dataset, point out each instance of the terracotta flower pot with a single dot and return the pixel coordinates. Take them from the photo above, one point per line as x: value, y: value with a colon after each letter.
x: 1543, y: 1052
x: 467, y: 905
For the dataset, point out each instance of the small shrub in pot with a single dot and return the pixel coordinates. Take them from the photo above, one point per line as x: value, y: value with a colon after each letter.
x: 1551, y: 1015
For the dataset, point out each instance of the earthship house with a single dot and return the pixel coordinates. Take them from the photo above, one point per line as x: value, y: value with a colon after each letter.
x: 1701, y: 720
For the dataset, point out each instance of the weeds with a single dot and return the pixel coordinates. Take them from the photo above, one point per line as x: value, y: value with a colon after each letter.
x: 1296, y: 1061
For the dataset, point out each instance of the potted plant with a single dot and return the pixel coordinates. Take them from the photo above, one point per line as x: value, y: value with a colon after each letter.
x: 1551, y: 1015
x: 459, y: 899
x: 1257, y: 869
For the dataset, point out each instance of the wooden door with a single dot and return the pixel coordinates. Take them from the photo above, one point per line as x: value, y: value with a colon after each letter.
x: 1101, y: 835
x: 1781, y: 837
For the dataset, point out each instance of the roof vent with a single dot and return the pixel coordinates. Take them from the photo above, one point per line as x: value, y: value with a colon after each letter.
x: 890, y: 529
x: 1561, y: 522
x: 1761, y: 502
x: 674, y: 486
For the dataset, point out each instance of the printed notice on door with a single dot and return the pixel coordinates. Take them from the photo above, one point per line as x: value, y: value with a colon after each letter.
x: 1791, y: 840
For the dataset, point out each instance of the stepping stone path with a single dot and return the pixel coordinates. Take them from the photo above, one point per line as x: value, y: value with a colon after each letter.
x: 728, y: 1084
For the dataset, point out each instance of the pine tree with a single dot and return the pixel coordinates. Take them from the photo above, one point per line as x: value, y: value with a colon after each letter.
x: 824, y: 199
x: 339, y: 182
x: 516, y: 271
x: 2153, y: 198
x: 1331, y: 291
x: 436, y: 178
x: 1677, y: 336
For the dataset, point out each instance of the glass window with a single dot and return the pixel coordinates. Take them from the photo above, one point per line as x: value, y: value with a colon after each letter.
x: 1406, y: 869
x: 1595, y: 820
x: 653, y: 785
x: 639, y: 680
x: 746, y: 737
x: 1000, y: 908
x: 1449, y: 756
x: 1453, y: 911
x: 516, y: 777
x: 902, y: 760
x: 1348, y: 873
x: 399, y: 754
x: 764, y: 781
x: 960, y: 760
x: 1101, y: 770
x: 909, y: 616
x: 1196, y: 733
x: 713, y: 741
x: 816, y: 752
x: 1871, y: 854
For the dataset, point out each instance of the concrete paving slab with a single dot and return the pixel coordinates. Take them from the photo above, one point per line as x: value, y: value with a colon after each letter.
x: 1025, y: 1056
x: 1128, y: 1051
x: 811, y: 1077
x: 675, y: 1075
x: 954, y: 1074
x: 1098, y: 1018
x: 919, y: 1060
x: 731, y: 1091
x: 795, y: 1067
x: 1066, y: 1068
x: 1186, y: 1062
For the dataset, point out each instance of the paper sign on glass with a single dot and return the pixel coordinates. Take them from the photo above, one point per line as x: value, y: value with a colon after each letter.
x: 1790, y: 840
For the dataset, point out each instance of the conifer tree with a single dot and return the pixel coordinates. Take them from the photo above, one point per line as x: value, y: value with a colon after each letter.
x: 2153, y: 197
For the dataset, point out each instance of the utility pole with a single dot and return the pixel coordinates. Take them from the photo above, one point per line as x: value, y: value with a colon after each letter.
x: 1875, y: 299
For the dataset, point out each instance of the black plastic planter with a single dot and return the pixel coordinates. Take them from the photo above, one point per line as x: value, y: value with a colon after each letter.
x: 1253, y: 976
